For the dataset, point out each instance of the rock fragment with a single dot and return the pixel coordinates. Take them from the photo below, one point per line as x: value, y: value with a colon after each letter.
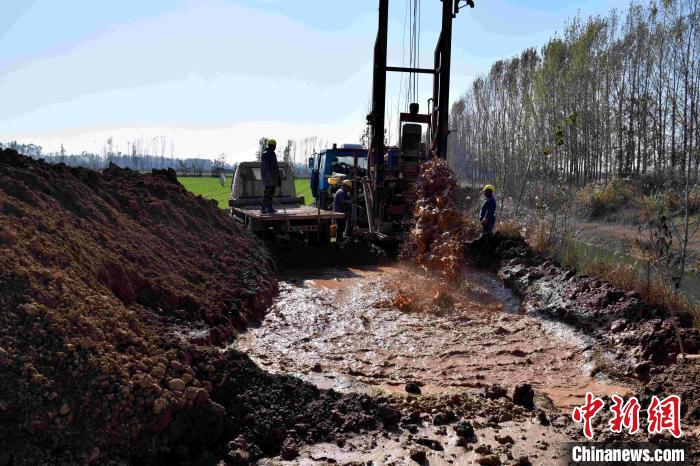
x: 495, y: 391
x: 413, y: 388
x: 524, y: 395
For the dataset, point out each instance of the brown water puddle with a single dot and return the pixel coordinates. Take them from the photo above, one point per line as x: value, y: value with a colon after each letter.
x: 378, y: 328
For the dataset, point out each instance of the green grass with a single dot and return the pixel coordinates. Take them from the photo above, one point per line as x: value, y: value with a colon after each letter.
x: 210, y: 188
x: 304, y: 189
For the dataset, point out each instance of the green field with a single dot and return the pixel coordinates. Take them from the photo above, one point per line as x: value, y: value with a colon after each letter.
x: 210, y: 188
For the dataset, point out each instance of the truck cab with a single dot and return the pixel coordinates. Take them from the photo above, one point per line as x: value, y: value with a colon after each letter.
x: 339, y: 161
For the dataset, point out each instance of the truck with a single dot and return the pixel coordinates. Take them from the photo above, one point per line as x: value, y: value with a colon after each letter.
x: 330, y: 166
x: 293, y: 219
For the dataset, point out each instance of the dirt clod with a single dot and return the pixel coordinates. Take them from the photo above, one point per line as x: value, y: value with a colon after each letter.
x: 413, y: 388
x: 542, y: 418
x: 290, y: 450
x: 464, y: 428
x: 418, y: 455
x: 489, y: 460
x: 505, y: 439
x: 495, y: 391
x: 430, y: 443
x: 238, y: 457
x: 524, y: 395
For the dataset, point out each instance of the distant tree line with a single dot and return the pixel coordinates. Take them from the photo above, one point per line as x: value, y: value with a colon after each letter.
x: 142, y: 156
x: 138, y: 159
x: 616, y: 96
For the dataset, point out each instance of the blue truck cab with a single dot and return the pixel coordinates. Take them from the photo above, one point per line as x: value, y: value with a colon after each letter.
x: 335, y: 160
x: 341, y: 160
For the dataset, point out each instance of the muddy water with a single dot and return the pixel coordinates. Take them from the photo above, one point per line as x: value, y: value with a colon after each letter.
x: 377, y: 328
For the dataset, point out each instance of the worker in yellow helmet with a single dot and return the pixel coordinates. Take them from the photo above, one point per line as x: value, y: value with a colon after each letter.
x: 487, y: 217
x: 342, y: 202
x: 270, y: 175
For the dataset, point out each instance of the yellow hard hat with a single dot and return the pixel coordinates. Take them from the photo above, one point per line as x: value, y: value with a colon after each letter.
x: 347, y: 183
x: 489, y: 187
x: 271, y: 142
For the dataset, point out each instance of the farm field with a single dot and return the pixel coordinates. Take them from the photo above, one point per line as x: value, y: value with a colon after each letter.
x: 210, y: 188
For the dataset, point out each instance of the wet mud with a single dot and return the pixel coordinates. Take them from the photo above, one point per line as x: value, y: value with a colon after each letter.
x: 378, y: 328
x: 461, y: 347
x: 465, y: 345
x: 478, y: 429
x: 439, y: 227
x: 642, y: 339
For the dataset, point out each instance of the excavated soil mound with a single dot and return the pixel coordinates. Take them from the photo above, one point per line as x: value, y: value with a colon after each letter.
x: 110, y: 281
x: 682, y: 379
x: 279, y: 413
x: 640, y: 335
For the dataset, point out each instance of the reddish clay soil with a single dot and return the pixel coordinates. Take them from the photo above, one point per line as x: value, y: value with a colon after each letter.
x: 116, y: 289
x: 120, y: 290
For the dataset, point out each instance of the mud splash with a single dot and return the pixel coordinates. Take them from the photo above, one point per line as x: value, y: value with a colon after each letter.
x: 375, y: 329
x: 439, y: 228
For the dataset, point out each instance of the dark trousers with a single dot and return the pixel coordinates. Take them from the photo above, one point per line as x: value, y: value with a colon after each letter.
x: 268, y: 194
x: 344, y: 223
x: 488, y: 227
x: 340, y: 223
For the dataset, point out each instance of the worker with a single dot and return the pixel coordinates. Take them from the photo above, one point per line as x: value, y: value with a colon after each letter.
x: 342, y: 203
x: 487, y: 217
x: 270, y: 175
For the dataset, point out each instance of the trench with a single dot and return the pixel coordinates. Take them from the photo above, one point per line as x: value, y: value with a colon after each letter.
x: 373, y: 329
x: 587, y: 253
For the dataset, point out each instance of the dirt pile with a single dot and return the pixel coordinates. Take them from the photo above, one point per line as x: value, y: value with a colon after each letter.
x: 682, y: 379
x: 437, y: 238
x: 110, y: 281
x: 275, y: 411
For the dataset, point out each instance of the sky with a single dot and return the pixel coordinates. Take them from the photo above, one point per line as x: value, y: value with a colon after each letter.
x: 213, y: 76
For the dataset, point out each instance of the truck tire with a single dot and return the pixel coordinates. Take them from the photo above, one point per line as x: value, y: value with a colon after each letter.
x: 322, y: 237
x: 324, y: 234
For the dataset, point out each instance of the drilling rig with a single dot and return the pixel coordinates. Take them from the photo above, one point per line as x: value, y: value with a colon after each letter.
x: 386, y: 190
x: 383, y: 177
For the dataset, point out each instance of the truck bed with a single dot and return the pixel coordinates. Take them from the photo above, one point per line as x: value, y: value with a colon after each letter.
x: 288, y: 212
